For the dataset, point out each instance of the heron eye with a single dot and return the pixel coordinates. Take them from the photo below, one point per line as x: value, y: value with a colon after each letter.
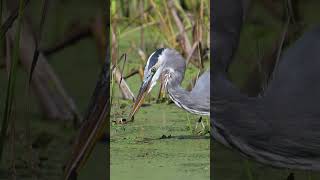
x: 153, y: 70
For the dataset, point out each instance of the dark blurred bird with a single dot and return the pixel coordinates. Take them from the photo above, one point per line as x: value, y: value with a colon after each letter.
x: 281, y: 128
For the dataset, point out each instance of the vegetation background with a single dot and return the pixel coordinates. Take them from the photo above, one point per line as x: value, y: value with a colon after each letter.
x: 38, y: 142
x: 162, y: 142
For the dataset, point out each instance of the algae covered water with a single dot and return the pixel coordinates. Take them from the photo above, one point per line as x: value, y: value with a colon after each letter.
x: 159, y: 145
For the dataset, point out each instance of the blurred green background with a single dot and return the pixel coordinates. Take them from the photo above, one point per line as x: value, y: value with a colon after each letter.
x: 78, y: 67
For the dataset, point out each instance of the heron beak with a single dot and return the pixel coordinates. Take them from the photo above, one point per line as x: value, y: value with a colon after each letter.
x: 139, y: 100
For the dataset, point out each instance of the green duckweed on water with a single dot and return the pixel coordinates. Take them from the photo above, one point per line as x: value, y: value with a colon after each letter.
x: 159, y: 144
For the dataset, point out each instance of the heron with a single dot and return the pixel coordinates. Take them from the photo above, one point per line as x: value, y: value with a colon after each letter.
x: 279, y: 128
x: 168, y: 66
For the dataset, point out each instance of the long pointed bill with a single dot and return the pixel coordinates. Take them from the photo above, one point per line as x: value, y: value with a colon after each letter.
x: 139, y: 100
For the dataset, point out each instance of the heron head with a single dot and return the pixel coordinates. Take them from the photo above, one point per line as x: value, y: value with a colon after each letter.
x: 152, y: 72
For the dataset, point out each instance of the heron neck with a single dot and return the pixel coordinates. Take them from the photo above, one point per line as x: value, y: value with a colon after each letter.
x: 184, y: 99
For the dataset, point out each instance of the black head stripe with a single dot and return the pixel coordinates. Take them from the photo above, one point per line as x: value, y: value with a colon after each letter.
x: 154, y: 58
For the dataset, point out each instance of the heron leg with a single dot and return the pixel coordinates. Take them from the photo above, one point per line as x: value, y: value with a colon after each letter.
x: 203, y: 127
x: 202, y: 124
x: 199, y: 121
x: 162, y: 93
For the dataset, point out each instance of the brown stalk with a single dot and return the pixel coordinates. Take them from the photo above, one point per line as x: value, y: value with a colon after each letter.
x: 125, y: 90
x: 141, y: 73
x: 123, y: 86
x: 141, y: 6
x: 130, y: 22
x: 185, y: 43
x: 183, y: 36
x: 164, y: 26
x: 195, y: 45
x: 132, y: 73
x: 170, y: 23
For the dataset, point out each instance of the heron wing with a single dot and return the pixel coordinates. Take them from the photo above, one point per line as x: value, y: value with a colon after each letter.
x: 202, y: 86
x: 201, y: 90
